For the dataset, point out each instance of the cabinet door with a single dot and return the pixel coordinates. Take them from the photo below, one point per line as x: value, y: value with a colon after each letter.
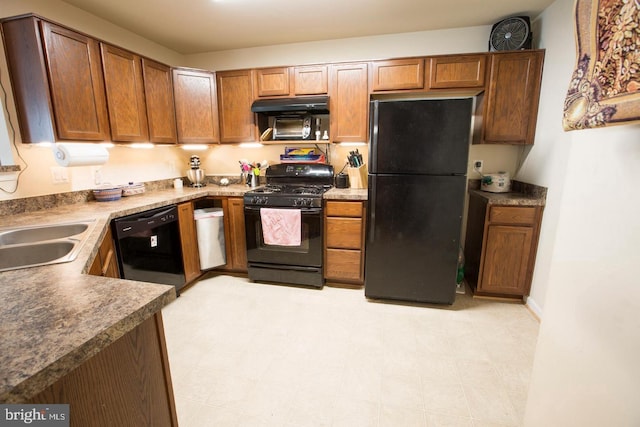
x: 235, y: 212
x: 457, y: 71
x: 76, y: 84
x: 125, y: 94
x: 161, y: 110
x: 272, y: 81
x: 310, y: 80
x: 397, y: 74
x: 349, y: 103
x: 506, y: 259
x: 188, y: 241
x: 196, y: 106
x: 106, y: 263
x: 235, y: 96
x: 512, y: 97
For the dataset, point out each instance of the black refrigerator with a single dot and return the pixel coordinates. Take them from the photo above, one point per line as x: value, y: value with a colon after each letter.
x: 417, y: 181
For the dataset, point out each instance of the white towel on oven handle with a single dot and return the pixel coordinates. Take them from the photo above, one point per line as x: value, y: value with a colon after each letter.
x: 281, y: 227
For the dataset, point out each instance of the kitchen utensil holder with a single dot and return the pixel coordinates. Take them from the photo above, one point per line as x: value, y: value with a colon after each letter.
x: 358, y: 176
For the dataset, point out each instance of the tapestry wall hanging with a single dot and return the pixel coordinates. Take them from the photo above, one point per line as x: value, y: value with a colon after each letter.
x: 605, y: 86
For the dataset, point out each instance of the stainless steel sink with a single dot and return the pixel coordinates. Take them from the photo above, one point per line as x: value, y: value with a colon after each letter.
x: 42, y: 245
x: 41, y: 233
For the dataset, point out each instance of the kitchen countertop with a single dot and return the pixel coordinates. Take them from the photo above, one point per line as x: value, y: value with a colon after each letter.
x: 510, y: 199
x: 346, y: 194
x: 56, y: 317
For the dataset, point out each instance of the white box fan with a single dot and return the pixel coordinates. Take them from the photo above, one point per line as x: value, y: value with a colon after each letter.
x: 512, y: 33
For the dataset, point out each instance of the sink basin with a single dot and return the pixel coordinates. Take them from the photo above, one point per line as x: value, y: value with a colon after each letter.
x: 14, y: 257
x: 41, y: 233
x: 42, y: 244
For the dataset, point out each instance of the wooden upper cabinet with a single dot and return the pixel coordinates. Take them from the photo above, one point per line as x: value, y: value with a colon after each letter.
x: 125, y: 94
x: 77, y: 86
x: 196, y: 106
x: 272, y: 81
x: 456, y: 71
x: 161, y: 110
x: 235, y: 96
x: 510, y: 103
x: 397, y: 74
x: 310, y: 80
x: 57, y: 82
x: 349, y: 102
x: 291, y: 81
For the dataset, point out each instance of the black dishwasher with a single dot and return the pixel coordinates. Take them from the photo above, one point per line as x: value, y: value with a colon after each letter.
x: 148, y: 247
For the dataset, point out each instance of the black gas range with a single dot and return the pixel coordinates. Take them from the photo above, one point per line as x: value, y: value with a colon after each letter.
x: 292, y: 185
x: 283, y: 221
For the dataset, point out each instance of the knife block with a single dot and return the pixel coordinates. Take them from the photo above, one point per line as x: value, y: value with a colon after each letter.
x: 358, y: 176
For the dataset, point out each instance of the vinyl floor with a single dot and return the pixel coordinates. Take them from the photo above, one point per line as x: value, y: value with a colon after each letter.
x: 253, y: 354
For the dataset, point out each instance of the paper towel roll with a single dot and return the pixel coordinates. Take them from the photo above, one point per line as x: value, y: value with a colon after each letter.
x: 80, y: 154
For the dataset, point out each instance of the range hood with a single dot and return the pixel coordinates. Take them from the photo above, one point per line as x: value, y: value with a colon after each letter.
x: 310, y: 104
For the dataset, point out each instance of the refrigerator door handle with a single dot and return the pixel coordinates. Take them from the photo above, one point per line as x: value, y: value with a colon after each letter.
x: 373, y: 157
x: 371, y: 200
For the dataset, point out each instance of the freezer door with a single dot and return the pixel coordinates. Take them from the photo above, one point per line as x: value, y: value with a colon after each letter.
x: 420, y: 136
x: 413, y: 235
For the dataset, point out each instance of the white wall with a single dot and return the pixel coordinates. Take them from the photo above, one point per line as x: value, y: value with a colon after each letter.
x: 586, y: 371
x: 459, y: 40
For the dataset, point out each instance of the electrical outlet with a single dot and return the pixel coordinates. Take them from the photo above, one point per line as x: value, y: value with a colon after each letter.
x: 477, y: 165
x: 59, y: 175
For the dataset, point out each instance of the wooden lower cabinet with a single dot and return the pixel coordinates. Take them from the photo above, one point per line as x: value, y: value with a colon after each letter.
x: 344, y: 227
x: 188, y: 241
x: 127, y: 384
x: 106, y: 262
x: 500, y: 248
x: 237, y: 246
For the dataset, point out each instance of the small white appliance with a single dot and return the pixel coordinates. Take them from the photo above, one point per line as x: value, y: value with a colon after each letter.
x: 498, y: 182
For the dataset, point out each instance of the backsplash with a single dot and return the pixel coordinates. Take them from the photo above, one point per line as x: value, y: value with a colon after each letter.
x: 36, y: 203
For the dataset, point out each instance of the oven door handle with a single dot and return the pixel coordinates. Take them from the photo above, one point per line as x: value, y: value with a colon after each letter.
x: 305, y: 211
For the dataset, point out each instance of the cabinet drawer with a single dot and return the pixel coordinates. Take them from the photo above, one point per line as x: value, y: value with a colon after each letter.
x: 348, y: 209
x: 342, y: 264
x: 344, y: 233
x: 512, y: 215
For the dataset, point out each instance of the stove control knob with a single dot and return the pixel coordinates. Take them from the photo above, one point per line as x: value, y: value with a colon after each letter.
x: 257, y: 200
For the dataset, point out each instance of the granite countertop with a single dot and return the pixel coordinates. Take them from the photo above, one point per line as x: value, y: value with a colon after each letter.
x: 346, y: 194
x: 510, y: 199
x: 56, y: 317
x: 521, y: 194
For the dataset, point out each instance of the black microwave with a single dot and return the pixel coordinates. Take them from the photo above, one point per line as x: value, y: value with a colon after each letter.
x: 293, y: 127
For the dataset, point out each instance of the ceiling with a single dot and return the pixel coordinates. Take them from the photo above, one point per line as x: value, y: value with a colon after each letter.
x: 196, y: 26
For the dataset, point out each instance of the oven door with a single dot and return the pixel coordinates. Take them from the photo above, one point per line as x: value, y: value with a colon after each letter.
x: 307, y: 254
